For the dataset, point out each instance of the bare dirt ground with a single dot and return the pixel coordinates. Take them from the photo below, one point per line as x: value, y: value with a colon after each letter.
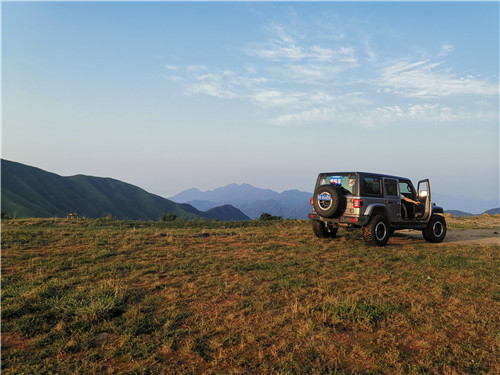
x: 483, y: 230
x: 457, y: 236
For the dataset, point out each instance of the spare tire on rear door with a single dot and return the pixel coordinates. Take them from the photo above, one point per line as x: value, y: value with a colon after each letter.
x: 329, y: 201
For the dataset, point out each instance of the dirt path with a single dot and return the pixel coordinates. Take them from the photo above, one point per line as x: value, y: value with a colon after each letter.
x: 458, y: 236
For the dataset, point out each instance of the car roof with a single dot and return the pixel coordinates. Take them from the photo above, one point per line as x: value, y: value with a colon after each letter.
x: 365, y: 174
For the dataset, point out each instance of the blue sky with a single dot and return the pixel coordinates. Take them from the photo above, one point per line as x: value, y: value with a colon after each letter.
x: 170, y: 95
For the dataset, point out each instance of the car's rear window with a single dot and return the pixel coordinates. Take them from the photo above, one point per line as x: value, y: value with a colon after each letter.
x: 347, y: 181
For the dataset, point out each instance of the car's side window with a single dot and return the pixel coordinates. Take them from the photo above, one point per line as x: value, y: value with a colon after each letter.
x: 391, y: 187
x: 372, y: 186
x: 405, y: 189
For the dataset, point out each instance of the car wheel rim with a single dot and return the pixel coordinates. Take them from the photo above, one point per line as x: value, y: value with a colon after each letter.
x: 380, y: 231
x: 437, y: 229
x: 325, y: 204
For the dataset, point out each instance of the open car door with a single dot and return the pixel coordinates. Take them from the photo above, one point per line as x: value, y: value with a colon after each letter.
x: 424, y: 197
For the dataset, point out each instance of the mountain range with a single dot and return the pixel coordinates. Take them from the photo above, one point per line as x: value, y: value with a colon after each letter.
x: 254, y: 201
x: 32, y: 192
x: 456, y: 213
x: 250, y: 200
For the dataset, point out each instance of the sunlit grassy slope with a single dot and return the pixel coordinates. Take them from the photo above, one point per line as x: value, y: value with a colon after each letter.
x: 83, y: 297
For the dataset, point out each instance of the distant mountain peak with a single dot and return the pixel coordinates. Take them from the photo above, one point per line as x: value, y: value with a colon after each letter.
x: 251, y: 200
x: 193, y: 190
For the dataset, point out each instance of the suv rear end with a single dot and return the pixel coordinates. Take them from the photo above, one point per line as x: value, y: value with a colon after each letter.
x: 350, y: 206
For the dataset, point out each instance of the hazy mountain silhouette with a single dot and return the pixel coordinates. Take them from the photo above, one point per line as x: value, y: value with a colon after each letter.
x: 457, y: 213
x: 232, y: 192
x: 251, y: 200
x: 493, y: 211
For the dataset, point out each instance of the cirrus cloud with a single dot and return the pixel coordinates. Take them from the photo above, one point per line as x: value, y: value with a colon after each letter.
x: 304, y: 80
x: 427, y: 79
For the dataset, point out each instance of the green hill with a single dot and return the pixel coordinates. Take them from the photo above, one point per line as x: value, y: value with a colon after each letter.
x: 32, y: 192
x: 226, y: 213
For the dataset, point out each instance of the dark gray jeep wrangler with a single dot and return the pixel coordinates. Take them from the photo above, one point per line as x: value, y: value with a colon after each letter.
x: 376, y: 203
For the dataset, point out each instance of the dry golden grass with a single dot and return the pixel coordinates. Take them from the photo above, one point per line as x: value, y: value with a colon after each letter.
x: 475, y: 222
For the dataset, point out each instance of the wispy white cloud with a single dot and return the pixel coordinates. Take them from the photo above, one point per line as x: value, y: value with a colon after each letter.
x: 280, y: 46
x: 369, y: 51
x: 284, y: 46
x: 310, y: 73
x: 197, y: 68
x: 445, y: 50
x: 376, y: 117
x: 427, y: 79
x: 226, y: 84
x: 420, y: 113
x: 173, y: 78
x: 277, y: 99
x: 311, y: 115
x: 322, y: 54
x: 222, y: 84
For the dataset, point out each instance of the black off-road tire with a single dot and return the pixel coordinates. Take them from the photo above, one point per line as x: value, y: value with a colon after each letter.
x: 436, y: 229
x: 377, y: 231
x: 321, y: 230
x: 332, y: 208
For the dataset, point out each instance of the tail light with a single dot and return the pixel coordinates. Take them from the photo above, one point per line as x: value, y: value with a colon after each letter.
x: 357, y: 203
x: 311, y: 201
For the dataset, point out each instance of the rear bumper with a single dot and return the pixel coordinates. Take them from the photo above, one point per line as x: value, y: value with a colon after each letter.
x: 357, y: 221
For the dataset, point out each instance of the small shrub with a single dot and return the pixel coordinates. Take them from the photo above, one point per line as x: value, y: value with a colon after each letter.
x: 266, y: 217
x: 170, y: 217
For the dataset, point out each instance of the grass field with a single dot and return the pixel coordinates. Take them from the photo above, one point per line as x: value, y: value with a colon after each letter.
x: 103, y: 296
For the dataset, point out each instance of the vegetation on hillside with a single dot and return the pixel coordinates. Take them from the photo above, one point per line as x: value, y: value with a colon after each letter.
x: 172, y: 297
x: 33, y: 192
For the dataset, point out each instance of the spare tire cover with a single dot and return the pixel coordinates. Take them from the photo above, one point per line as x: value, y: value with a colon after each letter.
x: 329, y: 201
